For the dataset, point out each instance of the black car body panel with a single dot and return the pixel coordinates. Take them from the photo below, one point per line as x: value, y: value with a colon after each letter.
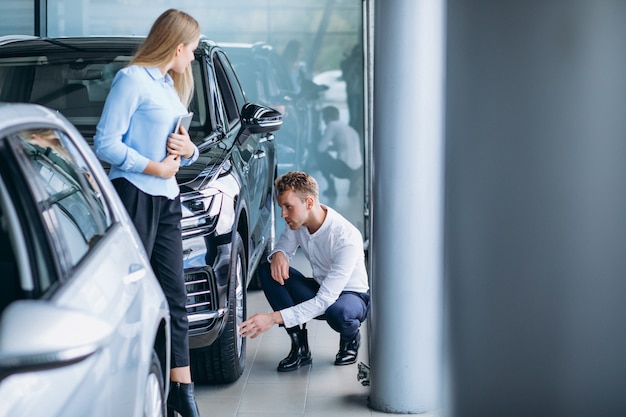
x: 227, y: 193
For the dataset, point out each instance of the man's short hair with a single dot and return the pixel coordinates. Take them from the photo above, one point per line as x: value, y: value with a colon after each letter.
x: 299, y: 182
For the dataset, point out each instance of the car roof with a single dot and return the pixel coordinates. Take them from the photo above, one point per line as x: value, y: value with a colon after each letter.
x: 19, y: 45
x: 34, y: 46
x: 15, y: 114
x: 242, y: 46
x: 13, y: 38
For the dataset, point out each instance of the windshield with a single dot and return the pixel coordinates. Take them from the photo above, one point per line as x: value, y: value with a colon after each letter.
x: 76, y: 85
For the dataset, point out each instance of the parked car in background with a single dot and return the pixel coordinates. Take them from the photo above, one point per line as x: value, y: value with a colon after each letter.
x: 227, y: 195
x: 84, y: 324
x: 266, y: 80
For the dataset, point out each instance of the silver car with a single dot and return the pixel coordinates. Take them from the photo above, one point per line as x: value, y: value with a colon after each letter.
x: 84, y: 325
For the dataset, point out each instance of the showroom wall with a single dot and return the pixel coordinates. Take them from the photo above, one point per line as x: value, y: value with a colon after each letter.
x: 275, y: 22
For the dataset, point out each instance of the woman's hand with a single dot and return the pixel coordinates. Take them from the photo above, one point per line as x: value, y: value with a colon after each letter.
x: 170, y: 166
x: 180, y: 144
x: 167, y: 168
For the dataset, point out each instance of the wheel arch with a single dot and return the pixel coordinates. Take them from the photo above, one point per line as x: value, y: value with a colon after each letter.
x: 161, y: 343
x: 244, y: 231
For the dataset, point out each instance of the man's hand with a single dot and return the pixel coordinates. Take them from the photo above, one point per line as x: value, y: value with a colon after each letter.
x: 180, y: 144
x: 279, y: 267
x: 259, y: 323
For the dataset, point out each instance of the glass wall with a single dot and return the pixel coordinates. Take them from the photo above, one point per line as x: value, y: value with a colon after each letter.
x: 17, y: 17
x: 298, y: 56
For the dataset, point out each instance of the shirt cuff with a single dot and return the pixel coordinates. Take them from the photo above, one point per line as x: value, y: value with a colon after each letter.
x: 134, y: 162
x: 269, y: 257
x: 188, y: 161
x: 288, y: 318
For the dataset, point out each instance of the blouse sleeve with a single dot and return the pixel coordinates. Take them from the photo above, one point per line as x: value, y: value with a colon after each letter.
x: 121, y: 103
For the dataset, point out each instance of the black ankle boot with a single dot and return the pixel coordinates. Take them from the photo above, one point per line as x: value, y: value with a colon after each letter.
x: 348, y: 350
x: 300, y: 354
x: 181, y: 400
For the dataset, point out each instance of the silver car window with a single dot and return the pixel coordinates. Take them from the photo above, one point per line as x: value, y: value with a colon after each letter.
x: 79, y: 215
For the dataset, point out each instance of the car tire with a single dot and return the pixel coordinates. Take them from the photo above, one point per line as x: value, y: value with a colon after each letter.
x: 154, y: 395
x: 224, y: 361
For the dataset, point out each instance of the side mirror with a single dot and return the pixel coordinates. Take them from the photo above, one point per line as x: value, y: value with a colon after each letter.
x: 37, y: 335
x: 260, y: 119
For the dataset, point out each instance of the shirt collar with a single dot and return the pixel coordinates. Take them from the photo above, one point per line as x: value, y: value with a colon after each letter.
x: 156, y: 75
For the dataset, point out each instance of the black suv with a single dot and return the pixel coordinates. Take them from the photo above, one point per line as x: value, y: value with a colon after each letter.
x: 227, y: 195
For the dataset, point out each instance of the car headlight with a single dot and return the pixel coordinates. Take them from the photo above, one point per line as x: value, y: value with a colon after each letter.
x: 200, y: 211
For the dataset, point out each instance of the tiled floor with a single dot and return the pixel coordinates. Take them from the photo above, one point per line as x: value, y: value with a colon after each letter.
x: 321, y: 389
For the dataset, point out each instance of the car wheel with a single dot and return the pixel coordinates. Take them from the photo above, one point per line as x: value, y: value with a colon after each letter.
x: 224, y: 361
x: 154, y: 395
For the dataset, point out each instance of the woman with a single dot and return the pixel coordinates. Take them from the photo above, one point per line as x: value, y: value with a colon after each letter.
x: 134, y: 135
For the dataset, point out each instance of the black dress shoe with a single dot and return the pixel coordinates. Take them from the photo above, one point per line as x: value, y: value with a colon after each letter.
x: 348, y: 350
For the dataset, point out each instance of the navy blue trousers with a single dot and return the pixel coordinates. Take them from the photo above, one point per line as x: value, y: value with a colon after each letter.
x: 344, y: 316
x: 157, y: 220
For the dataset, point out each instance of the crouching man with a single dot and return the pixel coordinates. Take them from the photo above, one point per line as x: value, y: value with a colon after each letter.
x: 339, y: 289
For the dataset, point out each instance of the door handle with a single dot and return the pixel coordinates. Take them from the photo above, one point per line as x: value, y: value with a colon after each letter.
x: 136, y: 273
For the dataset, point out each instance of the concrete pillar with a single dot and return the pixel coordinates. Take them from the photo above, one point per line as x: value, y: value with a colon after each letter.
x: 536, y: 208
x: 407, y: 205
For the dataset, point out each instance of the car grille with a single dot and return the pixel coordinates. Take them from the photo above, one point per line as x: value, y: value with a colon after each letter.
x: 201, y: 299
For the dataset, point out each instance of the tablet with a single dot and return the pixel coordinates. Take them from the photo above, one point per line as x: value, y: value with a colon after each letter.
x: 184, y: 121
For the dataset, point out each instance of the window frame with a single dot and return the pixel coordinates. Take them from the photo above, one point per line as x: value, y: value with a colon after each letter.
x: 51, y: 265
x: 228, y: 99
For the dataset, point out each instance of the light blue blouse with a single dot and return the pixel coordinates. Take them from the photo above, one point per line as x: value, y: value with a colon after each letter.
x: 140, y: 112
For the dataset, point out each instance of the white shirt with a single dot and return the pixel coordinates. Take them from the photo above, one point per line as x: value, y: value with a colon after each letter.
x: 346, y: 140
x: 335, y: 252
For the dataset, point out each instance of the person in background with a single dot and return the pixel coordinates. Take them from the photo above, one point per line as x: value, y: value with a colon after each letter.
x: 344, y: 140
x: 352, y: 73
x: 339, y: 289
x: 291, y: 58
x: 135, y: 135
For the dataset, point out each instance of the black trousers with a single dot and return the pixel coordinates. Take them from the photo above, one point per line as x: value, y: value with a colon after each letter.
x: 157, y: 220
x: 344, y: 316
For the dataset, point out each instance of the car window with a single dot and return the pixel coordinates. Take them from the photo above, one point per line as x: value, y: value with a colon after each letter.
x: 216, y: 107
x: 26, y: 263
x: 228, y: 97
x: 12, y: 231
x: 233, y: 81
x: 75, y: 86
x: 202, y: 124
x: 78, y: 214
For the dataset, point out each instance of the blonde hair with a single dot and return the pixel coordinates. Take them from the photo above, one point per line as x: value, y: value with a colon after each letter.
x: 299, y: 182
x: 169, y: 30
